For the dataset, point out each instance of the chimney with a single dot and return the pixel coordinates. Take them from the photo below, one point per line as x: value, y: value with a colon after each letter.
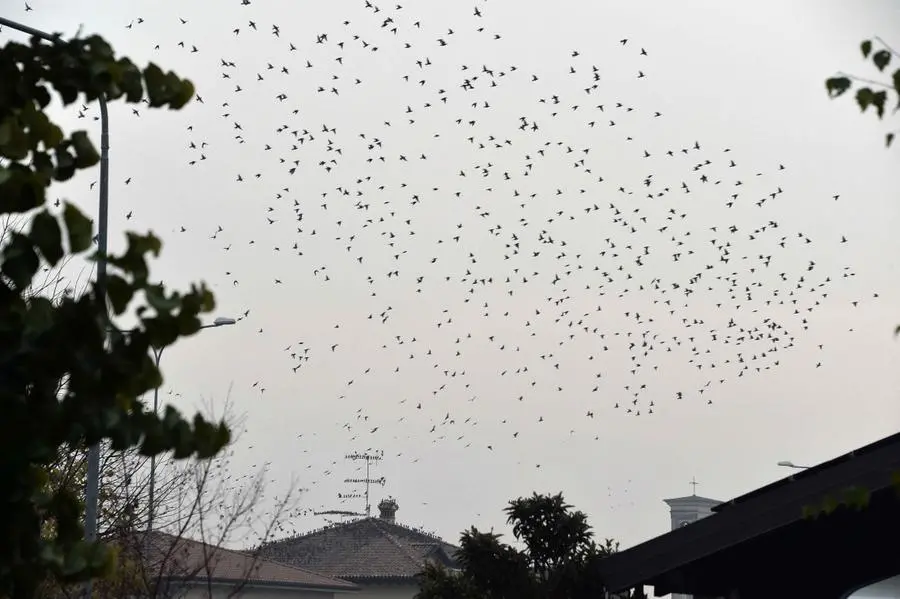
x: 388, y: 508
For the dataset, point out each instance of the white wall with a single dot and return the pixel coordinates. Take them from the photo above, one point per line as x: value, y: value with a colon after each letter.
x: 386, y: 591
x: 374, y: 591
x: 248, y: 592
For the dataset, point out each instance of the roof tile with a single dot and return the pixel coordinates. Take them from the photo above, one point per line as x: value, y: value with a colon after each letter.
x: 186, y: 559
x: 364, y: 549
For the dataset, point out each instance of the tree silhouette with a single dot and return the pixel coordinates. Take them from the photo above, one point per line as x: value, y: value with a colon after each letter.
x: 557, y: 561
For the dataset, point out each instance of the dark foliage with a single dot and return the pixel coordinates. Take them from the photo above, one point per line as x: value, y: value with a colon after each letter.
x: 870, y: 93
x: 558, y: 559
x: 62, y: 381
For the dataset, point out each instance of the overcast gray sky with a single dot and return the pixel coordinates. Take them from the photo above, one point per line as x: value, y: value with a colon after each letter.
x: 463, y: 291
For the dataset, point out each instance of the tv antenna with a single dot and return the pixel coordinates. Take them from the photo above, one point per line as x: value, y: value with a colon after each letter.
x: 369, y: 458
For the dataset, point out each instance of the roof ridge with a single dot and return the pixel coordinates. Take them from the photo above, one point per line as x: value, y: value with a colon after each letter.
x: 432, y: 538
x: 360, y: 521
x: 417, y: 562
x: 316, y: 531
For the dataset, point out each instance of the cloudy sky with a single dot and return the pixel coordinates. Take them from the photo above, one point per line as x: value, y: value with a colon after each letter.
x: 512, y: 250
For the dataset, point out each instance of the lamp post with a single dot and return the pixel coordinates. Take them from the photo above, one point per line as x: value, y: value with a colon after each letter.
x: 790, y: 464
x: 157, y: 356
x: 92, y: 487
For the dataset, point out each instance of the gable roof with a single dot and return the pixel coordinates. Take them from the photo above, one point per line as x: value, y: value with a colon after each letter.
x: 185, y: 560
x: 368, y: 549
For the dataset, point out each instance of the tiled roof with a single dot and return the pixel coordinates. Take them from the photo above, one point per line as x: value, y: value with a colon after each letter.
x: 366, y: 549
x: 173, y: 558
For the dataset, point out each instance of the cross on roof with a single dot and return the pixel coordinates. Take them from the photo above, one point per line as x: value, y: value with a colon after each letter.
x: 694, y: 484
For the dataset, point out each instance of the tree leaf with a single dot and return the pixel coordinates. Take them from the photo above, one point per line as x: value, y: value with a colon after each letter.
x: 864, y: 97
x: 16, y: 146
x: 896, y: 80
x: 43, y: 165
x: 79, y: 228
x: 47, y: 236
x: 53, y: 136
x: 120, y: 293
x: 85, y: 153
x: 156, y: 297
x: 20, y: 261
x: 866, y: 48
x: 131, y: 83
x: 878, y: 100
x: 881, y: 59
x: 888, y: 140
x: 42, y: 96
x: 184, y: 94
x: 156, y: 85
x: 40, y: 314
x: 837, y: 86
x: 65, y: 164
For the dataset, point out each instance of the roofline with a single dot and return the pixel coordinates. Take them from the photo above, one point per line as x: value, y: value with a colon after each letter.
x: 694, y: 499
x: 256, y: 559
x: 377, y: 522
x: 430, y: 536
x: 269, y: 584
x: 410, y: 578
x: 806, y: 472
x: 756, y: 513
x: 436, y: 545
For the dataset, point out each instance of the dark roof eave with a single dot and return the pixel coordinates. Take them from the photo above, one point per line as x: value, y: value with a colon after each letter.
x: 757, y: 513
x: 888, y: 441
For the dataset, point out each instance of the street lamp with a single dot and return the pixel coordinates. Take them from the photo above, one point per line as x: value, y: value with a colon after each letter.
x: 92, y: 488
x: 790, y: 464
x: 220, y: 321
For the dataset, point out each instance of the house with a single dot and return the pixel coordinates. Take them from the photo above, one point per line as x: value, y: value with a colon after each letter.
x: 377, y: 554
x: 774, y: 542
x: 187, y: 569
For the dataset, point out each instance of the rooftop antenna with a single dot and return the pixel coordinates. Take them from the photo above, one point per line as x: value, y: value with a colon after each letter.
x: 369, y: 458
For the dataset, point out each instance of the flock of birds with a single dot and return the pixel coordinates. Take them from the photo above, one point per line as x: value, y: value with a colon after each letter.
x: 562, y: 255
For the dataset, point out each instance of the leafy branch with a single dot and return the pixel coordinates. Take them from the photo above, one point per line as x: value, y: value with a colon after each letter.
x: 62, y: 384
x: 871, y: 92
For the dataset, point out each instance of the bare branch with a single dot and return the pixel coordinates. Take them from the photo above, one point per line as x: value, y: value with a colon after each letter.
x: 886, y: 46
x: 882, y: 84
x: 201, y: 510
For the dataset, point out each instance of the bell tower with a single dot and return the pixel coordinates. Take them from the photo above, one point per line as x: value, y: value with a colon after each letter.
x: 684, y: 511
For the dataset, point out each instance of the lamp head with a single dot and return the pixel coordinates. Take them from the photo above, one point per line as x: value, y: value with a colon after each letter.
x: 222, y: 321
